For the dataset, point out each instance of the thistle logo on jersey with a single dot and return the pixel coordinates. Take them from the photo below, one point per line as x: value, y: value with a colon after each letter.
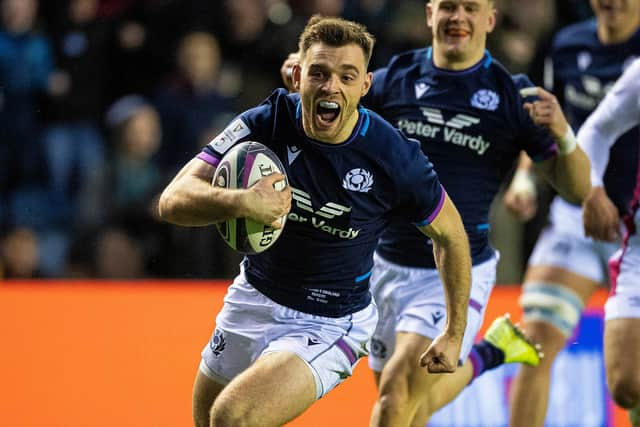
x: 358, y: 180
x: 485, y: 99
x: 318, y: 218
x: 449, y: 131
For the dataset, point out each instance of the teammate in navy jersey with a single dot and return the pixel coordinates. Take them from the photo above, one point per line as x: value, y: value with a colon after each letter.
x: 566, y: 267
x: 299, y: 316
x: 618, y: 112
x: 472, y: 122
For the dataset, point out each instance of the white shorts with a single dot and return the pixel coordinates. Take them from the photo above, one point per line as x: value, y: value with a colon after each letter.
x: 567, y: 250
x: 624, y: 299
x: 250, y: 324
x: 413, y: 300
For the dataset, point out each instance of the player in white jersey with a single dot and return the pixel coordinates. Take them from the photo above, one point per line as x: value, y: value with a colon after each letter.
x: 618, y: 112
x: 566, y: 267
x: 299, y: 315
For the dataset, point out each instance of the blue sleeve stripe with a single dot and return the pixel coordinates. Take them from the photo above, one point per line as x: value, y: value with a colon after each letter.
x: 483, y: 227
x: 363, y: 277
x: 366, y: 120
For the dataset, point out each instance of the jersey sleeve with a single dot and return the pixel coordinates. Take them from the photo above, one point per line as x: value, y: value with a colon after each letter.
x: 252, y: 125
x: 535, y: 140
x: 374, y: 99
x: 618, y: 112
x: 421, y: 194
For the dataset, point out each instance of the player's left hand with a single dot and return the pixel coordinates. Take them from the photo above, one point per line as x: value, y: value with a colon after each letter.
x: 287, y: 68
x: 546, y: 111
x: 442, y: 355
x: 600, y: 216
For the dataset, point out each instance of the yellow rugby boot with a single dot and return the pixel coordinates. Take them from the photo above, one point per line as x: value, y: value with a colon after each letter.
x: 509, y: 338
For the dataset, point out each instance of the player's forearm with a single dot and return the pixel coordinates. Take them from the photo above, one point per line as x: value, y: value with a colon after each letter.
x: 454, y: 264
x: 190, y: 201
x: 569, y: 175
x: 453, y: 259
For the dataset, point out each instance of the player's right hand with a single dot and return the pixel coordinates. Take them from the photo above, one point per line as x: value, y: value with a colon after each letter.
x: 287, y: 68
x: 546, y: 111
x: 442, y: 355
x: 600, y: 216
x: 267, y: 201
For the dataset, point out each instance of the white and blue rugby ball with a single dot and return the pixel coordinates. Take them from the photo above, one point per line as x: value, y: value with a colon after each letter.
x: 241, y: 167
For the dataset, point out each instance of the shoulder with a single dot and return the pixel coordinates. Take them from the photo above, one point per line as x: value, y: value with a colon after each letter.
x: 386, y: 142
x: 575, y: 34
x: 275, y: 104
x: 402, y: 62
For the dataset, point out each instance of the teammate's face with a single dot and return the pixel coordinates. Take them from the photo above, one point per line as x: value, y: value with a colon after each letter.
x: 331, y: 81
x: 617, y: 14
x: 460, y: 30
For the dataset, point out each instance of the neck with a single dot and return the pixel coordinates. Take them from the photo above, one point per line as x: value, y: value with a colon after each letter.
x: 450, y: 62
x: 617, y: 33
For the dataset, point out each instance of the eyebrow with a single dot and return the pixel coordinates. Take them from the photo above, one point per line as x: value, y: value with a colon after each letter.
x: 343, y: 67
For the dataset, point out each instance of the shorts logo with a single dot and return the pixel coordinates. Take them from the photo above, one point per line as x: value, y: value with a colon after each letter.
x: 217, y: 343
x: 358, y: 180
x: 378, y: 349
x: 634, y: 301
x: 561, y: 248
x: 485, y: 99
x: 312, y: 341
x: 437, y: 316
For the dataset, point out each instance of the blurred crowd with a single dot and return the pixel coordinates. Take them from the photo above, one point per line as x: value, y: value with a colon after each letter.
x: 102, y: 101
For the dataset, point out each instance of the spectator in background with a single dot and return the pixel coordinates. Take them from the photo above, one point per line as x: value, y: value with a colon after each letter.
x: 253, y: 45
x: 73, y: 141
x: 193, y: 111
x: 130, y: 182
x: 25, y: 68
x: 19, y: 254
x: 190, y: 105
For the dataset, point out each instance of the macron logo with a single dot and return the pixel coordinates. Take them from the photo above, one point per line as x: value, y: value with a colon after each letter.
x: 292, y: 152
x: 421, y: 89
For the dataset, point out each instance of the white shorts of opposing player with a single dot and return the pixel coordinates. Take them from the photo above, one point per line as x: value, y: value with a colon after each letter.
x: 250, y: 325
x: 413, y: 300
x: 624, y: 299
x: 563, y: 244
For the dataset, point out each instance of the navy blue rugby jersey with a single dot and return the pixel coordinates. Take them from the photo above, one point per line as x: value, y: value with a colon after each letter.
x: 343, y: 197
x: 471, y: 125
x: 580, y: 71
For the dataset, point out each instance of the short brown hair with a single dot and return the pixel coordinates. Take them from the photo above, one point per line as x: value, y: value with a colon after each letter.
x: 336, y: 32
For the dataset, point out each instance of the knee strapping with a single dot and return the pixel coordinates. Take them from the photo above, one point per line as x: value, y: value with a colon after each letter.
x: 551, y: 303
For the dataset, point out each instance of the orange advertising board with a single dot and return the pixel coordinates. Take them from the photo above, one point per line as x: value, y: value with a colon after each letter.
x: 94, y: 354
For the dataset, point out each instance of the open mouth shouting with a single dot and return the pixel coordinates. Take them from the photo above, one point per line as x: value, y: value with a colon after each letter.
x: 327, y: 113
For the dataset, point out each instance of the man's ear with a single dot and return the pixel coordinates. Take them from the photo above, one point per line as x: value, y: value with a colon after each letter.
x: 493, y: 18
x: 296, y: 76
x: 429, y: 13
x: 367, y: 84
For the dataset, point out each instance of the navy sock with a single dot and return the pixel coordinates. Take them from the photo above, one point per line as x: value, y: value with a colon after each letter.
x: 484, y: 356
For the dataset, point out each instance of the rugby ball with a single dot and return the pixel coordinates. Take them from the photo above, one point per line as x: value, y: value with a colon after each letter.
x: 241, y: 167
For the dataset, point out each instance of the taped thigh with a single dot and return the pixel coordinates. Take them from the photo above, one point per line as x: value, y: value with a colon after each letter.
x: 553, y: 304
